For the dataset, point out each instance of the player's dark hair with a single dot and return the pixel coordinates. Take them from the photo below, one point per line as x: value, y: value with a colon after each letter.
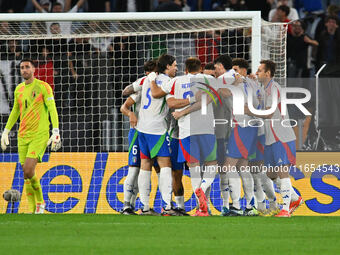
x: 27, y: 60
x: 225, y: 60
x: 55, y: 23
x: 284, y: 8
x: 163, y: 61
x: 150, y: 65
x: 335, y: 18
x: 240, y: 62
x: 209, y: 66
x: 269, y: 66
x: 192, y: 65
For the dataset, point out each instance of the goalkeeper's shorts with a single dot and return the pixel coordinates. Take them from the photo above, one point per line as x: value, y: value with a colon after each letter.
x: 152, y: 146
x: 32, y: 148
x: 197, y: 149
x: 174, y: 145
x: 241, y: 142
x: 259, y: 149
x: 279, y: 154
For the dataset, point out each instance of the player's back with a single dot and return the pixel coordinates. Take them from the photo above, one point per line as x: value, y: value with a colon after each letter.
x: 153, y: 111
x: 195, y: 122
x: 278, y: 127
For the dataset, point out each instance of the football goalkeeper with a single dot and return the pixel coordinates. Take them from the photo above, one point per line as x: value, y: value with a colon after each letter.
x: 33, y: 102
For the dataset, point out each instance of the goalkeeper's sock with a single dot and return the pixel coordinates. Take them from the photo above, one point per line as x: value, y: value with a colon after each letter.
x: 30, y: 195
x: 129, y: 184
x: 180, y: 201
x: 165, y: 184
x: 286, y: 187
x: 209, y: 174
x: 224, y: 189
x: 135, y: 192
x: 234, y: 187
x: 248, y: 188
x: 37, y: 189
x: 207, y: 194
x: 144, y: 185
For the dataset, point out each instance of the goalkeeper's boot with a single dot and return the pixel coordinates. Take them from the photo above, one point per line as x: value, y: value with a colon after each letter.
x: 200, y: 213
x: 294, y: 205
x: 251, y: 212
x: 202, y: 199
x: 225, y: 211
x: 235, y: 212
x: 149, y: 212
x: 128, y: 211
x: 283, y: 214
x: 40, y: 208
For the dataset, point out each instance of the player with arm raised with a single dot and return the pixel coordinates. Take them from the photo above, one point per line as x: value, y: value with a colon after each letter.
x: 153, y: 138
x: 196, y: 131
x: 130, y: 184
x: 34, y: 103
x: 279, y: 148
x: 230, y: 179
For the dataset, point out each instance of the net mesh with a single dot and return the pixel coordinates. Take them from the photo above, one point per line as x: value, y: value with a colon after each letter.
x: 88, y: 64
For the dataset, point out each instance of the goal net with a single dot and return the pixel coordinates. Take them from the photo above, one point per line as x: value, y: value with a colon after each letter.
x: 88, y: 59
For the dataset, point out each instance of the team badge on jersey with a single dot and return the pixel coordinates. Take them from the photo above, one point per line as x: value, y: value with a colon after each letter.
x: 34, y: 93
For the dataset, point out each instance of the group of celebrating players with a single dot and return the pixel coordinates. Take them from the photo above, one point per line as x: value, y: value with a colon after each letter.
x: 189, y: 121
x: 177, y: 122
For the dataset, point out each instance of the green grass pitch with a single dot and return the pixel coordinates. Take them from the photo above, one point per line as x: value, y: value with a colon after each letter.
x: 118, y: 234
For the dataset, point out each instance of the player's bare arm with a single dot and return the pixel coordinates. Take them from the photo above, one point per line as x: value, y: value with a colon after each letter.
x: 125, y: 109
x: 128, y: 90
x: 174, y: 103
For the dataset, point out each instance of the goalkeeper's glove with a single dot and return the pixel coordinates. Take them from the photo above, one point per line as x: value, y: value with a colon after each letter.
x: 152, y: 76
x: 54, y: 140
x: 4, y: 139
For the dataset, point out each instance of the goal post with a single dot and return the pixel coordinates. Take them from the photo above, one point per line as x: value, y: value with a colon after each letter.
x: 88, y: 58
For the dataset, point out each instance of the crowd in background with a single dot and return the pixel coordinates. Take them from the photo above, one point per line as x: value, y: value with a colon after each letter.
x: 95, y: 68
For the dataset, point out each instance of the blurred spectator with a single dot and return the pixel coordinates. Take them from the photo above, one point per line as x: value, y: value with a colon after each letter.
x: 309, y: 6
x: 58, y: 7
x: 235, y: 5
x: 99, y: 5
x: 132, y: 6
x: 297, y: 50
x: 168, y: 6
x: 332, y: 10
x: 207, y: 47
x: 282, y: 13
x: 260, y: 5
x: 11, y: 6
x: 329, y: 43
x: 44, y: 67
x: 100, y: 44
x: 274, y: 16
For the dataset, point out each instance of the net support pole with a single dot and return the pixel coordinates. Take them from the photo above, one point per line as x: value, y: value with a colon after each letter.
x: 256, y: 41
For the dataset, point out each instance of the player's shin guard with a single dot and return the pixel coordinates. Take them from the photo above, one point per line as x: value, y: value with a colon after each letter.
x: 248, y: 188
x: 286, y: 187
x: 129, y: 184
x: 209, y: 173
x: 30, y: 195
x: 144, y: 185
x: 165, y: 185
x: 37, y: 189
x: 224, y: 189
x: 234, y: 187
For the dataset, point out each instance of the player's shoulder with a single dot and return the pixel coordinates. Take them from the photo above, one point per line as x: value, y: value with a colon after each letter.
x: 162, y: 78
x: 20, y: 87
x: 43, y: 85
